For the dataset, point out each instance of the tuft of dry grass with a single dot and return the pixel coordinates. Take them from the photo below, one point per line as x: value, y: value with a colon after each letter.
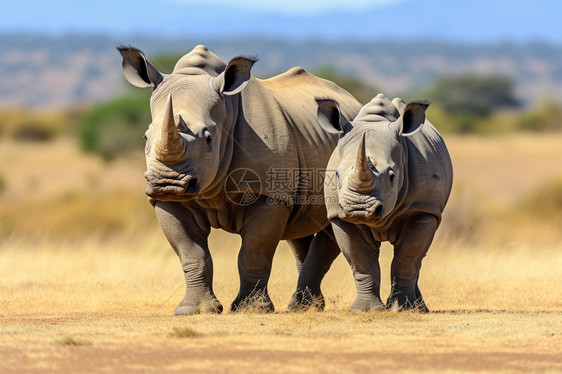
x: 183, y: 332
x: 71, y: 341
x: 257, y: 302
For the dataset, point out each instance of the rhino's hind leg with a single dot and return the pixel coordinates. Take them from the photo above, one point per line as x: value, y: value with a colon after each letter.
x: 262, y: 230
x: 362, y: 253
x: 409, y: 251
x: 420, y: 303
x: 189, y: 241
x: 300, y: 248
x: 322, y: 253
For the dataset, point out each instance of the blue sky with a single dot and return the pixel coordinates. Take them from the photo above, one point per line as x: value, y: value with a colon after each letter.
x: 470, y: 20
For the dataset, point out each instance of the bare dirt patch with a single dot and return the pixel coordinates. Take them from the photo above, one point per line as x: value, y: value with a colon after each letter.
x: 332, y: 342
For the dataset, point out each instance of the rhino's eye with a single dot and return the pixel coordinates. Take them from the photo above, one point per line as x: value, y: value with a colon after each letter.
x: 208, y: 140
x: 338, y: 179
x: 391, y: 178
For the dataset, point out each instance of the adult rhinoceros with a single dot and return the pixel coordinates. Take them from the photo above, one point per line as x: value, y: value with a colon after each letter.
x: 227, y: 150
x: 393, y: 179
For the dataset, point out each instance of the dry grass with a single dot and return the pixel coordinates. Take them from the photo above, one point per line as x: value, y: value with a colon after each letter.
x: 492, y: 309
x: 87, y: 300
x: 110, y: 277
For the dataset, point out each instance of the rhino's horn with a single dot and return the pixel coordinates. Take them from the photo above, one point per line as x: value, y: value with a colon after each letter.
x: 362, y: 178
x: 170, y: 147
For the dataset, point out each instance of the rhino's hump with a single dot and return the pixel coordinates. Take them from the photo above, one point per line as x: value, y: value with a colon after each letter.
x: 379, y: 109
x: 200, y: 60
x: 294, y: 92
x: 297, y: 88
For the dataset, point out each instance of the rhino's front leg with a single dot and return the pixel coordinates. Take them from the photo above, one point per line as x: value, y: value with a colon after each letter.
x: 409, y: 250
x: 362, y: 253
x: 188, y: 238
x: 263, y: 227
x: 322, y: 253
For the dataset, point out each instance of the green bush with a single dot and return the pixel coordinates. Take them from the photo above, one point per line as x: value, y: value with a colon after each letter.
x: 3, y: 184
x: 474, y: 95
x: 546, y: 116
x: 468, y: 101
x: 116, y: 127
x: 34, y: 131
x: 28, y: 125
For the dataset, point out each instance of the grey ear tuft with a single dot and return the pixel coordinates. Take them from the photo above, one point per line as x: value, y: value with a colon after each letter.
x: 330, y: 118
x: 412, y: 118
x: 137, y: 70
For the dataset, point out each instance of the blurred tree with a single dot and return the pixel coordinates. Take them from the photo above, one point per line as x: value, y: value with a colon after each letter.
x: 546, y: 116
x: 165, y: 63
x: 362, y: 92
x: 117, y: 126
x: 27, y: 125
x: 473, y: 95
x: 33, y: 130
x: 466, y: 102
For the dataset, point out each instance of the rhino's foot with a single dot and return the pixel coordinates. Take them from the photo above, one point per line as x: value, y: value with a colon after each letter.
x: 189, y: 307
x: 303, y: 300
x: 399, y: 304
x: 255, y: 302
x: 366, y: 304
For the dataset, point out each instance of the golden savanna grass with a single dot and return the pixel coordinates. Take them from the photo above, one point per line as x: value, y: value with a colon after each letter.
x: 88, y: 283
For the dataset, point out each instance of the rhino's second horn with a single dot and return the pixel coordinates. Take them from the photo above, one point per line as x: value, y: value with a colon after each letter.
x: 170, y: 147
x: 361, y: 178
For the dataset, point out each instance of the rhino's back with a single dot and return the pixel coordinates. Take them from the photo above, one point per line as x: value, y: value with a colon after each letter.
x: 297, y: 89
x: 295, y: 92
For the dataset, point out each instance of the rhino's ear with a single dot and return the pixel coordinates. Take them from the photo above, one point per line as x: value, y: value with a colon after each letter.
x: 399, y: 104
x: 412, y: 118
x: 235, y: 77
x: 330, y: 118
x: 137, y: 70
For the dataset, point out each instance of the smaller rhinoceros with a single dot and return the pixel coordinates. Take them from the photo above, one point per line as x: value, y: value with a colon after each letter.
x: 393, y: 176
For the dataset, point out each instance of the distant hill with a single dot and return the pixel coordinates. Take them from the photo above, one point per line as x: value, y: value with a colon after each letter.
x: 52, y: 72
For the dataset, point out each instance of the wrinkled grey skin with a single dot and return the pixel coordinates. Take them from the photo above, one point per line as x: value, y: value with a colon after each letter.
x: 394, y: 176
x: 209, y: 120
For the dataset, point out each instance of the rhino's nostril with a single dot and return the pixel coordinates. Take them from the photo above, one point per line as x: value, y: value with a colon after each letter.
x: 192, y: 185
x: 378, y: 210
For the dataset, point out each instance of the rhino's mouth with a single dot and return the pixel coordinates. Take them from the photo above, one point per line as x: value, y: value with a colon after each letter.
x: 171, y: 186
x: 360, y: 208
